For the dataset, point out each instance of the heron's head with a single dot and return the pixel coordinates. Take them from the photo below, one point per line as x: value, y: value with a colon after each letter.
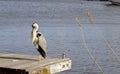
x: 35, y: 26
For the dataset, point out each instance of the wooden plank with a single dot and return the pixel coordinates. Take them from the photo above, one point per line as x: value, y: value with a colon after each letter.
x: 9, y: 60
x: 29, y: 63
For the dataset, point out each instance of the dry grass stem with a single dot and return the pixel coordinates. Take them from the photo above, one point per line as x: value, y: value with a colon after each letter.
x: 89, y: 17
x: 78, y: 22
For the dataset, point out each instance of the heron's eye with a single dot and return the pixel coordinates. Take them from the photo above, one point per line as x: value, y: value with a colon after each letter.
x: 33, y: 26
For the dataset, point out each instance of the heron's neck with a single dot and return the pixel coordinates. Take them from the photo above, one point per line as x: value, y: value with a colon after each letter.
x: 34, y: 35
x: 34, y: 31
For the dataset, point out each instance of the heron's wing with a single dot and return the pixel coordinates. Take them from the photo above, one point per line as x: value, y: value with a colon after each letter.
x: 42, y: 42
x: 41, y: 51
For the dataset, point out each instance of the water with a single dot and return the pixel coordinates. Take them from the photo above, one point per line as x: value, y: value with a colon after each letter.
x: 57, y: 23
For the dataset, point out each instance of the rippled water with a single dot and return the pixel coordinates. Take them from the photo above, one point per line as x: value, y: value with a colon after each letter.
x: 57, y: 23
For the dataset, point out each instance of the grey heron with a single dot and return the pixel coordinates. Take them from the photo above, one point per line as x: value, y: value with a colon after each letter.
x: 38, y: 40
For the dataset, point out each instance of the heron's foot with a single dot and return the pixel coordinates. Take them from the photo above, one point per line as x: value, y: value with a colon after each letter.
x: 39, y: 58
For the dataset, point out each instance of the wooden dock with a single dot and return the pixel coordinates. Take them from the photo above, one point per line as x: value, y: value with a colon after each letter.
x: 27, y: 64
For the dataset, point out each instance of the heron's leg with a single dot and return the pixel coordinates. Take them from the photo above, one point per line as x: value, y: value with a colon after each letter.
x: 39, y: 57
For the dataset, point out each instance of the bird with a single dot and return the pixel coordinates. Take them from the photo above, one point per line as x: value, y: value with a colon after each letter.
x: 38, y: 40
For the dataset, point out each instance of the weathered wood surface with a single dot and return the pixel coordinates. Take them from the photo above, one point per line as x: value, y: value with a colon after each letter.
x: 31, y: 65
